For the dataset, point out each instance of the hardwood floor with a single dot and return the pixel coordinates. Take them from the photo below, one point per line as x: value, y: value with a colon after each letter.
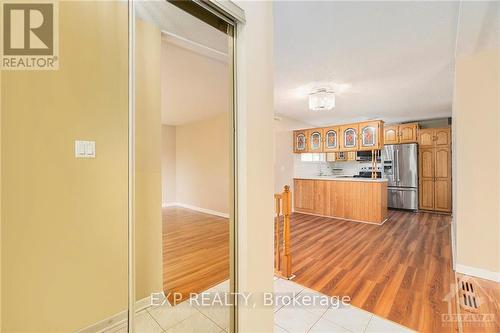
x: 401, y: 270
x: 195, y: 251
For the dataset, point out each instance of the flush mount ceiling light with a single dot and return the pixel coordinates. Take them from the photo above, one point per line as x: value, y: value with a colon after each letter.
x: 321, y: 99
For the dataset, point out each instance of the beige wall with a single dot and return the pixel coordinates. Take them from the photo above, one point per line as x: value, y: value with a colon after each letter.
x: 168, y: 164
x: 148, y: 196
x: 64, y: 232
x: 64, y: 220
x: 476, y: 121
x: 255, y: 162
x: 186, y: 73
x: 283, y: 151
x: 202, y: 163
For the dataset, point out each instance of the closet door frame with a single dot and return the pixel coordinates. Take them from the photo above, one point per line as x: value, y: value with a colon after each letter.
x: 212, y: 12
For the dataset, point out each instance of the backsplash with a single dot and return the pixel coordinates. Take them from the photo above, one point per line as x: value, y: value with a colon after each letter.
x: 311, y: 169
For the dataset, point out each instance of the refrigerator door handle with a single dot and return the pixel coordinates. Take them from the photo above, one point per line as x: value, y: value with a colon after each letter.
x: 396, y: 165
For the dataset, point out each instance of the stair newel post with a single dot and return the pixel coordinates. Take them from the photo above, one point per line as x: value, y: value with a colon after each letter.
x: 277, y: 252
x: 287, y: 207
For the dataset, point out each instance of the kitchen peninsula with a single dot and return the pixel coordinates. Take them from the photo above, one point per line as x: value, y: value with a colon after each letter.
x: 356, y: 199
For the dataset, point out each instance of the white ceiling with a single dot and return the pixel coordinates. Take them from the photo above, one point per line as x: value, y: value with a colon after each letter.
x: 388, y: 60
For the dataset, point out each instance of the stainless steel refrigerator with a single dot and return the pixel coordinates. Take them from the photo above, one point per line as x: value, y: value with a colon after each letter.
x: 401, y: 171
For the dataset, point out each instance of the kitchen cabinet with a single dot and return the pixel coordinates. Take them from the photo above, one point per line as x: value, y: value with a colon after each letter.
x: 304, y: 195
x: 331, y: 139
x: 426, y: 199
x: 370, y: 135
x: 435, y: 180
x: 434, y: 137
x: 442, y: 193
x: 443, y: 137
x: 352, y: 137
x: 391, y: 134
x: 408, y: 133
x: 349, y: 141
x: 314, y: 140
x: 402, y: 133
x: 363, y: 201
x: 299, y: 142
x: 426, y: 138
x: 426, y: 163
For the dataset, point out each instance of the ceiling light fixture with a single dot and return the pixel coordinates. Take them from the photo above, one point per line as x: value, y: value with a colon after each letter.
x: 322, y: 99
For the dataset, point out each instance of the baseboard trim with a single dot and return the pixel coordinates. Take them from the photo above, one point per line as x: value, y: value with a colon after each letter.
x: 198, y: 209
x: 117, y: 319
x: 478, y: 272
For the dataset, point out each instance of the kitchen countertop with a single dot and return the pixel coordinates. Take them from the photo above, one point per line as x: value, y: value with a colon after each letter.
x: 344, y: 178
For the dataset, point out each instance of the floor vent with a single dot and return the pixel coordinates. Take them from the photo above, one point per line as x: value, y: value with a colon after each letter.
x: 469, y: 299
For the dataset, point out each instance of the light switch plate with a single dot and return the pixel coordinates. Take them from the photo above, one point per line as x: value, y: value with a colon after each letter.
x: 84, y: 149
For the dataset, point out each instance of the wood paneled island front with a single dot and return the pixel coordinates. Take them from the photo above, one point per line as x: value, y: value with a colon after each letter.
x: 356, y: 199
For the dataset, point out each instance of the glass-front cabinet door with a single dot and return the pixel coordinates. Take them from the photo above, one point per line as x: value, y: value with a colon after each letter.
x: 331, y: 137
x: 299, y: 142
x: 370, y: 135
x: 349, y: 137
x: 315, y: 137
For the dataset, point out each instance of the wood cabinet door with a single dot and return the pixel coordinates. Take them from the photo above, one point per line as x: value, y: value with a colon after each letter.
x: 426, y: 163
x: 299, y: 142
x: 442, y: 166
x: 408, y: 133
x: 426, y: 138
x: 349, y: 137
x: 315, y: 140
x: 442, y: 195
x: 426, y: 160
x: 391, y: 134
x: 321, y: 197
x: 442, y: 137
x: 336, y: 198
x: 426, y: 193
x: 303, y: 195
x: 369, y: 135
x: 442, y: 179
x: 331, y: 139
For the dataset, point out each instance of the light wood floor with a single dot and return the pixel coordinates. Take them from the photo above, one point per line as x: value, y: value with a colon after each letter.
x: 401, y: 270
x: 195, y: 251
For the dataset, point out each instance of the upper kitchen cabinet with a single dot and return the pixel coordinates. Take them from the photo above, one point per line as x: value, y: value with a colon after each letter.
x: 352, y: 137
x: 349, y: 134
x: 408, y: 133
x: 331, y: 139
x: 315, y: 140
x: 299, y: 142
x: 443, y: 137
x: 403, y: 133
x: 426, y: 138
x: 370, y: 135
x: 434, y: 137
x: 391, y: 134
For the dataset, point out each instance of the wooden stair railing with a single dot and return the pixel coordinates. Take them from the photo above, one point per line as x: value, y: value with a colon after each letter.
x: 283, y: 265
